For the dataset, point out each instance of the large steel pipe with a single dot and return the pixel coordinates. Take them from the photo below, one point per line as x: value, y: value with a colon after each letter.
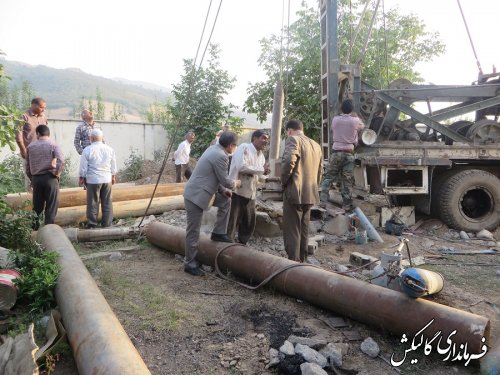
x: 381, y: 307
x: 70, y: 197
x: 77, y: 214
x: 100, y: 344
x: 101, y: 234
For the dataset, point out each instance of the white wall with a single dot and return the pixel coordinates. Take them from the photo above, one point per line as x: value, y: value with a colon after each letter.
x: 123, y: 137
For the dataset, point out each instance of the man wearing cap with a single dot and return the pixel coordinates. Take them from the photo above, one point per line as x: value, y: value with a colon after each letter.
x: 98, y: 174
x: 340, y: 167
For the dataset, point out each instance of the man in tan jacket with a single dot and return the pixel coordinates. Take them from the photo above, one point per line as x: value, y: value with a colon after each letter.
x: 301, y: 172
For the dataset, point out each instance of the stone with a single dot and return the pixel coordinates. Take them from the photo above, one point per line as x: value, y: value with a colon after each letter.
x: 265, y: 226
x: 115, y: 256
x: 319, y: 238
x: 315, y: 227
x: 485, y: 234
x: 370, y: 347
x: 417, y: 261
x: 338, y: 226
x: 312, y: 260
x: 287, y: 348
x: 311, y: 355
x: 311, y: 342
x: 274, y: 357
x: 333, y: 352
x: 403, y: 214
x: 311, y: 369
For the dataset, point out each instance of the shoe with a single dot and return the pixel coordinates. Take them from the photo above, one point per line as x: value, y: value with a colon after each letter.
x: 220, y: 237
x: 90, y: 226
x: 195, y: 271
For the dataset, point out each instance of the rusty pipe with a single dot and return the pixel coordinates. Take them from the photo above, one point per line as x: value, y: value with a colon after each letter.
x: 71, y: 197
x: 133, y: 208
x: 101, y: 234
x: 377, y: 306
x: 100, y: 344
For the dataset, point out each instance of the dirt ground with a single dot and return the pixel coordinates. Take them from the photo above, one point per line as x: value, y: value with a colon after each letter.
x: 181, y: 324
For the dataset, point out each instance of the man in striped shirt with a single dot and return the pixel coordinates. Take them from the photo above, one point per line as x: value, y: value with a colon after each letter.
x: 45, y: 162
x: 82, y: 133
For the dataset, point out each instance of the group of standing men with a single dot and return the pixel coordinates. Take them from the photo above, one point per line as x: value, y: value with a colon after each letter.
x: 233, y: 190
x: 44, y: 163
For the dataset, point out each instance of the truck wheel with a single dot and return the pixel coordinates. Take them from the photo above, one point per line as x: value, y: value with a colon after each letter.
x: 470, y: 200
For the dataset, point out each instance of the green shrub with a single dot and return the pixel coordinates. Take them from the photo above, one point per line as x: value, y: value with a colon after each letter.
x: 12, y: 175
x: 39, y: 268
x: 133, y: 167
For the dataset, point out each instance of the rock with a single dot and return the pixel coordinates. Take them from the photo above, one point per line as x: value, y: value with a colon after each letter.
x: 179, y: 258
x: 464, y: 235
x: 311, y: 369
x: 341, y: 268
x: 370, y: 348
x: 274, y: 357
x: 115, y: 256
x: 311, y: 355
x: 312, y: 260
x: 338, y: 226
x: 333, y: 353
x: 315, y: 227
x: 265, y: 226
x: 311, y: 342
x: 287, y: 348
x: 485, y: 234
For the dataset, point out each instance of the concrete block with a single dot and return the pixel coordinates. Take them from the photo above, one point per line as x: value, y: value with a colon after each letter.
x: 338, y: 226
x: 312, y: 247
x: 404, y: 214
x: 315, y: 227
x: 358, y: 259
x: 319, y: 238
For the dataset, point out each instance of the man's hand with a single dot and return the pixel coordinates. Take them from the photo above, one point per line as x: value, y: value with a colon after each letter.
x: 23, y: 152
x: 227, y: 193
x: 81, y: 181
x: 237, y: 184
x: 267, y: 170
x: 113, y: 180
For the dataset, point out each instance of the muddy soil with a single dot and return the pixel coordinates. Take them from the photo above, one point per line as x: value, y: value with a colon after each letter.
x: 182, y: 324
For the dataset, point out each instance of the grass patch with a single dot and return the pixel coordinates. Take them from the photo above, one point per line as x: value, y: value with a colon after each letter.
x: 152, y: 308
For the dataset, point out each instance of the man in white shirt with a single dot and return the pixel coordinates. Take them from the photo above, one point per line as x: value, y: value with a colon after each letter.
x: 248, y: 165
x: 181, y: 158
x: 98, y: 174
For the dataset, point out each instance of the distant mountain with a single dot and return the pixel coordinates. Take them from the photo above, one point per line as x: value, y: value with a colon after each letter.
x: 64, y: 88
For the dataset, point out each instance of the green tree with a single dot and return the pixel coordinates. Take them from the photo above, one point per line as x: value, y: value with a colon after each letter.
x: 100, y: 107
x: 159, y: 112
x: 404, y: 42
x: 117, y: 113
x: 199, y: 103
x: 10, y: 116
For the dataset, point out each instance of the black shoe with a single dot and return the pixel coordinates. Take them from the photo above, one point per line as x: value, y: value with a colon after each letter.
x: 220, y: 237
x: 90, y: 226
x: 195, y: 271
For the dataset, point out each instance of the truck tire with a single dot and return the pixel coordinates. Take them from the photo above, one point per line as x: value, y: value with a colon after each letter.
x: 470, y: 200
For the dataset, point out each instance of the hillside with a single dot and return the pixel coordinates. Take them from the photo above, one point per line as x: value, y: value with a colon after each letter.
x: 64, y: 88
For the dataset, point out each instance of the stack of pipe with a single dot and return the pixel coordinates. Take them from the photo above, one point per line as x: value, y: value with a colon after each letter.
x: 128, y: 201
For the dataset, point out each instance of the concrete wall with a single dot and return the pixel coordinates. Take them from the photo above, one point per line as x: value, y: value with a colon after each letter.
x: 124, y: 137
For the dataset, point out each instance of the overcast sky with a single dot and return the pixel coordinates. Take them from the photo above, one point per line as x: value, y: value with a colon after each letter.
x: 147, y: 41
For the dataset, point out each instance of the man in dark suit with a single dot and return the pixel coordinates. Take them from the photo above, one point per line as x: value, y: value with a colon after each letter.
x: 301, y: 171
x: 209, y: 182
